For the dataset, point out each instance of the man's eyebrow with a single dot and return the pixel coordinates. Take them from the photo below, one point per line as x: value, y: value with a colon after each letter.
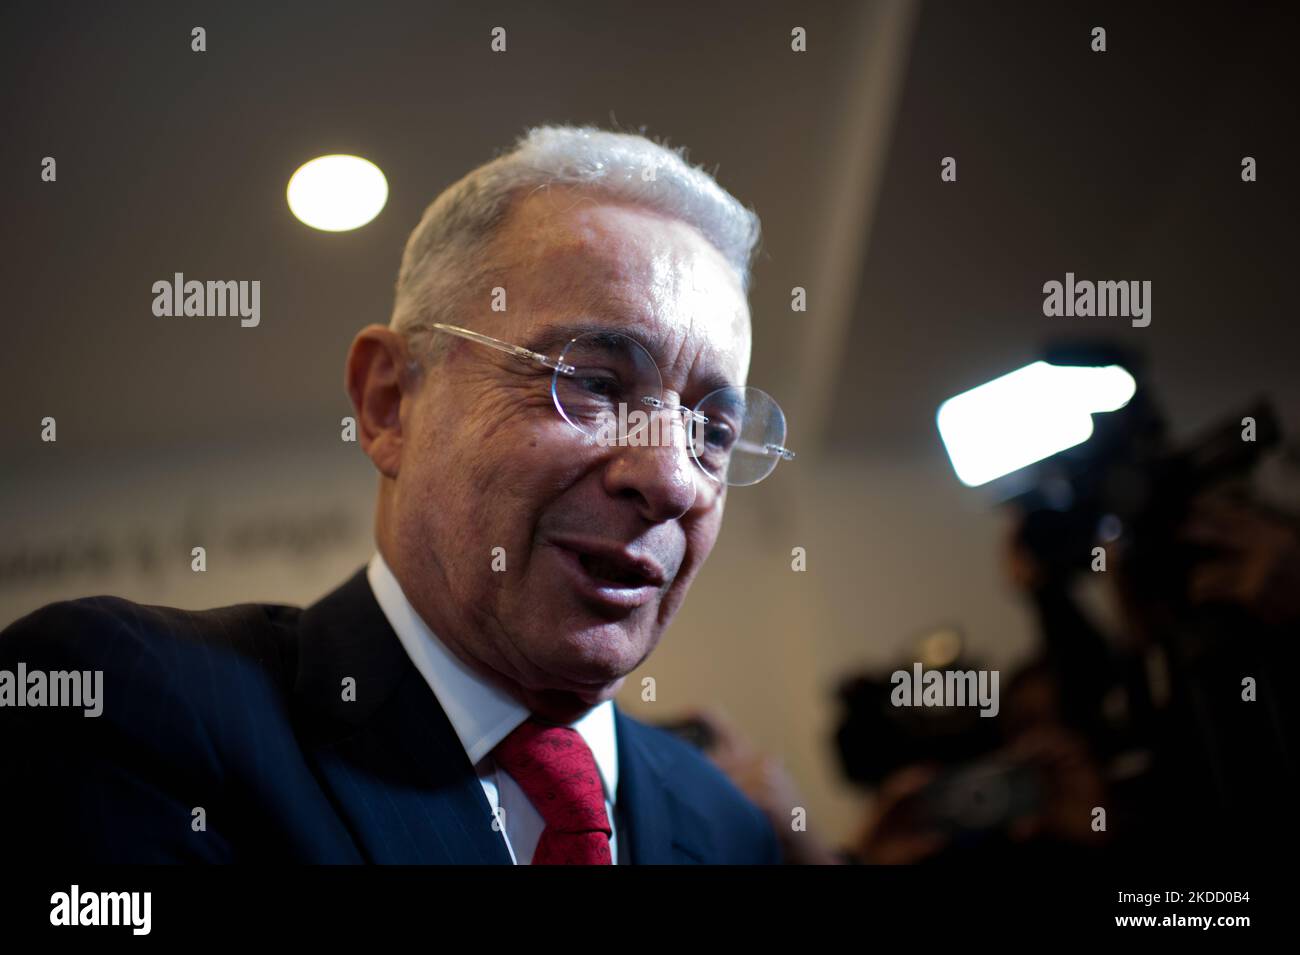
x: 551, y: 339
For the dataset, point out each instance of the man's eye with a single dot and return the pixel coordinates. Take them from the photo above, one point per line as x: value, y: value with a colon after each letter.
x: 601, y: 386
x: 719, y: 437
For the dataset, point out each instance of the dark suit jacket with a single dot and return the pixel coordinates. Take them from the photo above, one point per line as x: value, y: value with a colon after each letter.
x: 239, y: 710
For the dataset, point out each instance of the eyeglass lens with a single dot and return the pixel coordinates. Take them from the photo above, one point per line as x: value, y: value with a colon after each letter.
x: 612, y: 391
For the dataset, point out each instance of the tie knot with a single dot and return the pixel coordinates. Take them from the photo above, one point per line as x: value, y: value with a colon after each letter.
x: 555, y: 768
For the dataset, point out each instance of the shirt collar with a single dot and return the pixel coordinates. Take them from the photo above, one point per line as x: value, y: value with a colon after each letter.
x: 481, y: 713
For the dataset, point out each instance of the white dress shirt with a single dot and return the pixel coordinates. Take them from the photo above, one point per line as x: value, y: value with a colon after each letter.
x: 483, y: 714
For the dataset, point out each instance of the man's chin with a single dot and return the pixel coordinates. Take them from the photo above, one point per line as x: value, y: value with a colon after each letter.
x: 587, y: 671
x: 590, y: 664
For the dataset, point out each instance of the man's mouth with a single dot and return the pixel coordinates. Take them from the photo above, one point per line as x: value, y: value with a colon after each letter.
x: 611, y: 574
x: 616, y: 571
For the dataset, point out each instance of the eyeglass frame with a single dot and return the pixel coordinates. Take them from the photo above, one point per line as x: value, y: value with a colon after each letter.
x: 527, y: 354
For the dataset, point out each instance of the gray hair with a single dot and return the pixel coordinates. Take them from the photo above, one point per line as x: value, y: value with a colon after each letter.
x: 444, y: 260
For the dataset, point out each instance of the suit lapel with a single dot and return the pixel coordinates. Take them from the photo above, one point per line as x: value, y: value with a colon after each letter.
x: 390, y: 759
x: 397, y: 773
x: 663, y: 829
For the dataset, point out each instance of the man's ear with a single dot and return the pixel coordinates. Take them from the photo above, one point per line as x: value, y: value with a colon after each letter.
x: 377, y: 379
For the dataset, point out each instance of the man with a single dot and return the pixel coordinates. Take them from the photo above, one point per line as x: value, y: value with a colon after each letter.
x: 453, y: 701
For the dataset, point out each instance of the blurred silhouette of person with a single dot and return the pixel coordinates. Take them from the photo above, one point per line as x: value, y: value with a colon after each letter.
x: 931, y: 813
x: 1161, y: 696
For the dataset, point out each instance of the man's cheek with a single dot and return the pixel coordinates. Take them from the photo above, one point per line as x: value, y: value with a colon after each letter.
x: 681, y: 583
x: 701, y: 535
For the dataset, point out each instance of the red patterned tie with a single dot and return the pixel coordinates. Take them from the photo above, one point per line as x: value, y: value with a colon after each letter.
x: 554, y: 767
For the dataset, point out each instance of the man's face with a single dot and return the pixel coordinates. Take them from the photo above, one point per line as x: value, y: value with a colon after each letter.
x: 599, y: 543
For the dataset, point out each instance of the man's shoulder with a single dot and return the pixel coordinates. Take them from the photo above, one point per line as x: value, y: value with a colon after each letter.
x: 117, y: 633
x: 135, y: 715
x: 148, y: 652
x: 744, y: 831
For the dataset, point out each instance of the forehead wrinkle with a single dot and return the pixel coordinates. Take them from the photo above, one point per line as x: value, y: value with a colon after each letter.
x: 685, y: 352
x: 676, y: 283
x: 574, y: 269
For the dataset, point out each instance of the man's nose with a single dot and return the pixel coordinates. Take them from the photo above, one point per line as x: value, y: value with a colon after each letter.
x: 657, y: 469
